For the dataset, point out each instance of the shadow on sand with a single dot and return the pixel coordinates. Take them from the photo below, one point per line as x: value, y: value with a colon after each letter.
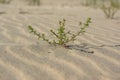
x: 86, y: 48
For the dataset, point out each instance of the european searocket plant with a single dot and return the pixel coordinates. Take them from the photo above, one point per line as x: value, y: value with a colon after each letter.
x: 5, y: 1
x: 62, y: 36
x: 34, y: 2
x: 111, y: 8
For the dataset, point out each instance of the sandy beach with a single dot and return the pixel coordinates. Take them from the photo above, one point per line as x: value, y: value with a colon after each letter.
x: 23, y: 57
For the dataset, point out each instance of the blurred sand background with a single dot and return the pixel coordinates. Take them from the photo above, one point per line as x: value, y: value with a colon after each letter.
x: 23, y: 57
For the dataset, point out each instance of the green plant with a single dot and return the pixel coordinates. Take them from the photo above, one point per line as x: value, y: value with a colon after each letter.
x: 111, y: 9
x: 93, y: 3
x: 89, y: 2
x: 5, y: 1
x: 63, y: 36
x: 34, y: 2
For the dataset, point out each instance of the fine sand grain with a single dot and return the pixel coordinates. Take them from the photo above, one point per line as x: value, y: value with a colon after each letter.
x: 93, y: 56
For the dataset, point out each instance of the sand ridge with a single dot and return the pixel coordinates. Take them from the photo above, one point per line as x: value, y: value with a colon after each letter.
x: 23, y: 57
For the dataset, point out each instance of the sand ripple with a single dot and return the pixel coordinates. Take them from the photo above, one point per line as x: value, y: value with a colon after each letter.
x: 22, y: 57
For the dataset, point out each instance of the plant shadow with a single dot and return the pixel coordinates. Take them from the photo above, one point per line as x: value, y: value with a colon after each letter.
x: 86, y: 48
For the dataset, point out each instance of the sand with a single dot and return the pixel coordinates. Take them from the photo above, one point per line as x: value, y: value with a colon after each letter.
x: 23, y: 57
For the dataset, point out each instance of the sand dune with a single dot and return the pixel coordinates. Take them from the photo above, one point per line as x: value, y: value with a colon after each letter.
x: 23, y: 57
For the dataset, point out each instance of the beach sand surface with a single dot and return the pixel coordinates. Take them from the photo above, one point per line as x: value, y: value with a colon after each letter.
x: 93, y: 56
